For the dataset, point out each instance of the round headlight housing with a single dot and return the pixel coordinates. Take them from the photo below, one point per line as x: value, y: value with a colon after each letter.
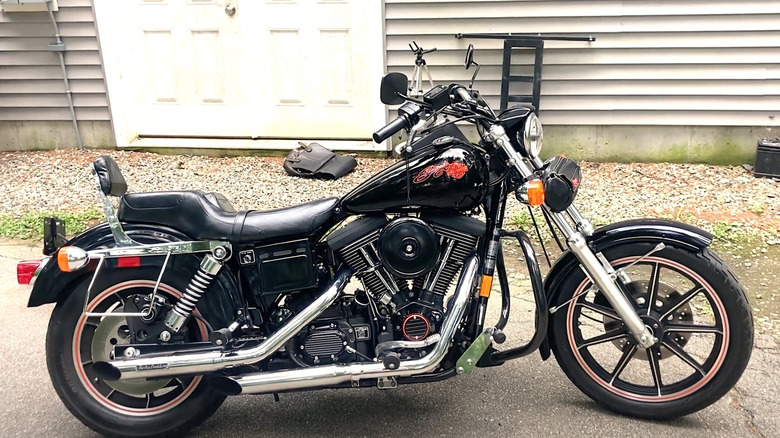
x: 533, y: 135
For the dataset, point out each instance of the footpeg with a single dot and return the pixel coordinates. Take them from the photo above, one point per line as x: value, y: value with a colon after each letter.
x: 391, y: 361
x: 221, y: 337
x: 499, y: 337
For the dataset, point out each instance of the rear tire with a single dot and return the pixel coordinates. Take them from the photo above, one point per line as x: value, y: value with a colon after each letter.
x: 697, y: 309
x: 124, y: 408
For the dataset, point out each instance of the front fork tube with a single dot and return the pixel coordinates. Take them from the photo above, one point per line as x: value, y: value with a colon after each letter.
x: 604, y: 277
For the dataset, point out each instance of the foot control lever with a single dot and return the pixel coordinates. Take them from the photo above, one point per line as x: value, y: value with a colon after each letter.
x: 222, y: 336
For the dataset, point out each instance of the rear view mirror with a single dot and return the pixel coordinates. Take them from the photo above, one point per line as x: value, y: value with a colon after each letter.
x: 469, y: 56
x: 393, y: 88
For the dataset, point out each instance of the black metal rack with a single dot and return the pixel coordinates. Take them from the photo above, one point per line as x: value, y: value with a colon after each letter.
x: 519, y: 40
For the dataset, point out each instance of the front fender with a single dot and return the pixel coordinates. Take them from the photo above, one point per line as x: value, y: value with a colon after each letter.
x: 630, y: 231
x: 52, y: 285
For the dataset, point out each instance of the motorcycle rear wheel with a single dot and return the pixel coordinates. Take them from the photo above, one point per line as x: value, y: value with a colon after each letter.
x: 123, y: 408
x: 696, y: 308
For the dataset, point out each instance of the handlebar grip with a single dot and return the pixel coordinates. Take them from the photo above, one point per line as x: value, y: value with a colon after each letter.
x: 463, y: 94
x: 396, y: 125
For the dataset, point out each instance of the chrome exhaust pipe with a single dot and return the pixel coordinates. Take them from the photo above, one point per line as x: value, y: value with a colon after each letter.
x: 329, y: 375
x: 198, y: 363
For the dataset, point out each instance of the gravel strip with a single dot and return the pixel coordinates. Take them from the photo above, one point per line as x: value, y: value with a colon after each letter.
x: 700, y: 194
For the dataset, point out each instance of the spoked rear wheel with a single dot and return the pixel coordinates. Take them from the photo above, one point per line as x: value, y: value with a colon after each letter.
x: 693, y: 305
x: 138, y: 407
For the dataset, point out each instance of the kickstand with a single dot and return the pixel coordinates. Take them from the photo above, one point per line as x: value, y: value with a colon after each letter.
x: 276, y: 397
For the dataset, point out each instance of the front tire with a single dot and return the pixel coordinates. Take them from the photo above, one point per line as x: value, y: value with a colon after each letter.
x: 123, y: 408
x: 695, y: 307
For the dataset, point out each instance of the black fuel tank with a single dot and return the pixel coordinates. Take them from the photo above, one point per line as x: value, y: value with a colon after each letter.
x: 444, y: 175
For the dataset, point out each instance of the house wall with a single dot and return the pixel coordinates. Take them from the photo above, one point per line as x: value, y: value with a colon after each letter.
x: 34, y: 111
x: 687, y: 80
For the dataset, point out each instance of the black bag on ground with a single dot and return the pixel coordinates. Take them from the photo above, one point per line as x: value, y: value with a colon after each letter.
x: 316, y: 161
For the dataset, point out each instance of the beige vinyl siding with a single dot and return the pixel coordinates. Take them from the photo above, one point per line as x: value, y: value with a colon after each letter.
x: 32, y: 91
x: 685, y: 63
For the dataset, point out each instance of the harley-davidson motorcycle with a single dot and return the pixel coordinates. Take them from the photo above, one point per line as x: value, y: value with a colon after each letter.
x: 179, y: 300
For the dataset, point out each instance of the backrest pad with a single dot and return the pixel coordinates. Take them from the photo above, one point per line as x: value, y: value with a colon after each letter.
x: 112, y: 183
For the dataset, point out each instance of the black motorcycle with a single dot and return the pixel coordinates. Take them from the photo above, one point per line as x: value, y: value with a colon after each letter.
x: 179, y: 300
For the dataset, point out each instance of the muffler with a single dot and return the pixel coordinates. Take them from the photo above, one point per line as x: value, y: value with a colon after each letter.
x: 329, y: 375
x: 169, y: 365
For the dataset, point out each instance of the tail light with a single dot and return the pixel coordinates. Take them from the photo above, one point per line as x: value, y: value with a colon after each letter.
x: 25, y: 270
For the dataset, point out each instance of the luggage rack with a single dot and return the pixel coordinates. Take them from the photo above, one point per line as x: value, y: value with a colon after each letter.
x: 522, y: 40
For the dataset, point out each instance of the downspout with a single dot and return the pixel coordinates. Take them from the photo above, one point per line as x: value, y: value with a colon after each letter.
x: 59, y: 47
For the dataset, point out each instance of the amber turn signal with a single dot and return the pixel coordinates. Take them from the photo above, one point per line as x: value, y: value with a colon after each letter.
x: 535, y: 192
x: 71, y: 258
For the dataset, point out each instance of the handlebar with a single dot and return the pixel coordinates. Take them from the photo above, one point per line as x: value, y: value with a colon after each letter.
x: 408, y: 115
x: 391, y: 128
x: 461, y: 92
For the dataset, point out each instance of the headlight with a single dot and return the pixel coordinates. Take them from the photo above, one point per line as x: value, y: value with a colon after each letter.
x: 533, y: 135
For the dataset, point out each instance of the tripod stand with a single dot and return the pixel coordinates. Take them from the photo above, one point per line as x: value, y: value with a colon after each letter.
x: 416, y: 87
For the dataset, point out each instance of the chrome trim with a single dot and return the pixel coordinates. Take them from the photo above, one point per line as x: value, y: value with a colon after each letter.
x: 329, y: 375
x: 160, y: 249
x: 198, y: 363
x: 75, y: 257
x: 582, y: 225
x: 602, y: 276
x: 120, y: 237
x: 138, y: 314
x: 392, y: 345
x: 38, y: 270
x: 515, y: 159
x: 92, y: 283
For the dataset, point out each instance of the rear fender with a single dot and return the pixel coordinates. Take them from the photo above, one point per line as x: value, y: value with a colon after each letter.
x: 631, y: 231
x: 52, y: 285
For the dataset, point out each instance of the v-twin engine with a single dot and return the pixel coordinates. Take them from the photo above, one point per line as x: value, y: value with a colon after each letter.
x: 407, y: 264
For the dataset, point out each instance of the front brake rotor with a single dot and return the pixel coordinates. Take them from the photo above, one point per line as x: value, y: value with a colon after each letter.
x: 666, y: 295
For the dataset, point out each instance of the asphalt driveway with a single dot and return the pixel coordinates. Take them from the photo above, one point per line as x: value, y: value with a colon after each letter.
x: 526, y: 397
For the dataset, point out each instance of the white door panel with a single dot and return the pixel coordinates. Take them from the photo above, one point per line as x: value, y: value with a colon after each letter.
x: 185, y: 68
x: 275, y: 69
x: 312, y: 68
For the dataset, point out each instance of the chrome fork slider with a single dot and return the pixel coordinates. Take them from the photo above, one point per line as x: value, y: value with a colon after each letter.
x: 604, y: 280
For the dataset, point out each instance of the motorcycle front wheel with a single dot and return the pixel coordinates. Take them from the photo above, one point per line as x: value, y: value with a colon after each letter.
x: 696, y: 309
x: 139, y: 407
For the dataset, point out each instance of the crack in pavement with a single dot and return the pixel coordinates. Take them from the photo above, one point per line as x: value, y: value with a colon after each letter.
x: 736, y: 402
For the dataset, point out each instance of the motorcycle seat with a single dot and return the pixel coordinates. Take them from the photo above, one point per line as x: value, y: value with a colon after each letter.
x: 209, y: 216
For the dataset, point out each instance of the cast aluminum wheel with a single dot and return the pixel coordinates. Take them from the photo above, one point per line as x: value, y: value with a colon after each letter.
x: 691, y: 303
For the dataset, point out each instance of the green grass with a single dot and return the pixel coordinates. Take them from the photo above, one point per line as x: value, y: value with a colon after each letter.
x: 30, y: 225
x: 522, y: 221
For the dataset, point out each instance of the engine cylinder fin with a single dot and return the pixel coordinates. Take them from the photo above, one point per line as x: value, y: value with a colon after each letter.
x: 362, y: 255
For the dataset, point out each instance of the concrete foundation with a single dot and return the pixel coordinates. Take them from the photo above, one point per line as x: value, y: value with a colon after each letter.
x: 37, y: 135
x: 676, y: 144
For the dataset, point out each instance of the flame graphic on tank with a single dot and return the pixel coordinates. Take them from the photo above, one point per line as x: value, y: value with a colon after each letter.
x: 454, y: 169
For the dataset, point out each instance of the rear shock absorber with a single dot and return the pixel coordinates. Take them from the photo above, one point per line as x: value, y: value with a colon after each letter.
x: 201, y: 281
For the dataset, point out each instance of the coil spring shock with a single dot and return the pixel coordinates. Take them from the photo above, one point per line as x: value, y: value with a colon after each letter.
x: 201, y: 281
